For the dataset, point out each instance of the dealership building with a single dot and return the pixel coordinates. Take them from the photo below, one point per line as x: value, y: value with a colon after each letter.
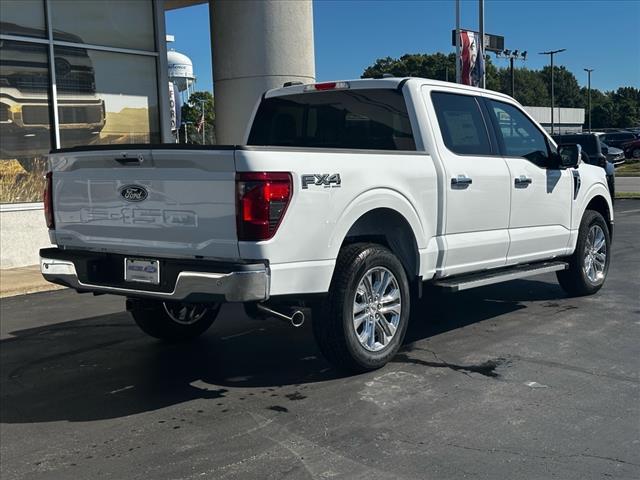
x: 95, y: 72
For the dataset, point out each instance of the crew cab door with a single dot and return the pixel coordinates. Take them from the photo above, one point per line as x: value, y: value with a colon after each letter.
x: 475, y: 185
x: 541, y: 193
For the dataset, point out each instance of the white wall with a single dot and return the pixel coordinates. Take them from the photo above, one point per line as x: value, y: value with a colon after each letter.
x: 22, y: 234
x: 571, y: 116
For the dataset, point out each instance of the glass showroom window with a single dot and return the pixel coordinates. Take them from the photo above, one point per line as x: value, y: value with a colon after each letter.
x: 22, y: 17
x: 104, y: 58
x: 105, y: 97
x: 124, y: 24
x: 25, y: 135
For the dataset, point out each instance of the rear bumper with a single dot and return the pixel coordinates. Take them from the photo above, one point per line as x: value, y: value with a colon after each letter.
x: 192, y: 281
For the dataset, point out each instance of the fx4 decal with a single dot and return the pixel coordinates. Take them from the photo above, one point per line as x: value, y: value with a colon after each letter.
x: 321, y: 179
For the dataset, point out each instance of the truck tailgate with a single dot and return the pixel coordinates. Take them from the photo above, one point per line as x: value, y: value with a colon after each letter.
x: 167, y: 202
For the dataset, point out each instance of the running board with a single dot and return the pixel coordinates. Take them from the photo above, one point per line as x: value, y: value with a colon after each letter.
x: 473, y: 280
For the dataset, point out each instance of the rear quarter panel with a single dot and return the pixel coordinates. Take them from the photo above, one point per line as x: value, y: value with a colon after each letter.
x: 303, y: 251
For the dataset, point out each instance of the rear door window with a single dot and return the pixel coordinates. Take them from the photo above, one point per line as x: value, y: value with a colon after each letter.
x: 461, y: 123
x: 369, y: 119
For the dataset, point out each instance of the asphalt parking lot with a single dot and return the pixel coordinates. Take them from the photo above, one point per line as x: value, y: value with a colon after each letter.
x: 505, y: 382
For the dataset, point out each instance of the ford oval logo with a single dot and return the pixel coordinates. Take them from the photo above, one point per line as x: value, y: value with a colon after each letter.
x: 134, y: 193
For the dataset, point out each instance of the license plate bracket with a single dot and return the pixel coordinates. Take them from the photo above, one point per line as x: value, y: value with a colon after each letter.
x: 142, y: 270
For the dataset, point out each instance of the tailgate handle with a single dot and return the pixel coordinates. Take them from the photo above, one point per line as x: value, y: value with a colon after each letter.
x: 124, y: 159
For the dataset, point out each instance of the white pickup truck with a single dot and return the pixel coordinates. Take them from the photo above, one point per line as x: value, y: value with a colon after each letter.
x: 347, y: 197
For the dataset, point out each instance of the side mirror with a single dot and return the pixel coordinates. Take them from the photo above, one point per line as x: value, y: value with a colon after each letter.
x: 570, y: 155
x: 605, y: 150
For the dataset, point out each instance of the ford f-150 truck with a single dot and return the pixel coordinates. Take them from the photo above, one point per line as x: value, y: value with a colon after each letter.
x: 346, y: 198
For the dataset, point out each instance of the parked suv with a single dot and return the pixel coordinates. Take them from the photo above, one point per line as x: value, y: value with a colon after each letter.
x: 617, y: 139
x: 347, y: 197
x: 632, y: 149
x: 596, y: 154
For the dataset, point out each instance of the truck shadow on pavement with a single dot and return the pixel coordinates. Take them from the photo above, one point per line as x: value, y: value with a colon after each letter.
x: 103, y: 367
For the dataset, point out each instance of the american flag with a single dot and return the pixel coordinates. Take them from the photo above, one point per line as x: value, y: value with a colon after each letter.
x: 200, y: 125
x: 471, y: 59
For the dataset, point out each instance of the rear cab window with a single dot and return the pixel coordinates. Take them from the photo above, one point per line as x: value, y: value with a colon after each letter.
x: 369, y: 119
x: 462, y: 125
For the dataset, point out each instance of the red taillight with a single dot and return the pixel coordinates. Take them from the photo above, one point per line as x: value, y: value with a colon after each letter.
x: 262, y: 199
x: 47, y: 199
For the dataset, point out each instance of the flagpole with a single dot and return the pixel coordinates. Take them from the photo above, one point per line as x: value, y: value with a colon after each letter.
x: 481, y: 40
x: 204, y: 125
x: 457, y: 41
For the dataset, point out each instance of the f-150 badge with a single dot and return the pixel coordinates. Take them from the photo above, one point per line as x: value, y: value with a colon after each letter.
x: 325, y: 180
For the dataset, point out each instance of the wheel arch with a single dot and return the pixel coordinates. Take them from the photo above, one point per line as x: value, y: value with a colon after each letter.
x: 388, y: 227
x: 601, y: 204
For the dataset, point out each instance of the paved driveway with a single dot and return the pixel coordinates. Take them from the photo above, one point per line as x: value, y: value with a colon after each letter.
x: 628, y: 184
x: 505, y: 382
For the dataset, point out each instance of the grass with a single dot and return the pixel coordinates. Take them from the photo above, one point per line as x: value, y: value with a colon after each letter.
x: 18, y: 185
x: 628, y: 169
x: 628, y: 195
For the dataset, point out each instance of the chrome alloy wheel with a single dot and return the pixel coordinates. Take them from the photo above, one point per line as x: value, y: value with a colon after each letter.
x: 185, y: 313
x: 377, y: 305
x: 595, y: 254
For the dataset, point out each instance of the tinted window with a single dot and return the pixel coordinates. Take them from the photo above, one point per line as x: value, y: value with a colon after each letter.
x: 619, y: 136
x: 461, y: 123
x: 358, y: 119
x: 521, y: 137
x: 105, y: 97
x: 126, y: 24
x: 25, y: 123
x: 22, y: 18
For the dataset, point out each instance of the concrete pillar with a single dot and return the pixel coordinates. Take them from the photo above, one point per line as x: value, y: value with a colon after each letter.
x: 256, y: 45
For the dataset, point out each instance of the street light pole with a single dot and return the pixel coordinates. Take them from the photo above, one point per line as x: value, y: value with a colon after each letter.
x: 458, y: 73
x: 513, y: 82
x: 481, y: 40
x: 589, y: 70
x: 551, y: 53
x: 204, y: 125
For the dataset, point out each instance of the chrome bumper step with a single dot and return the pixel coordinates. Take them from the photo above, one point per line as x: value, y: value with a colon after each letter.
x: 240, y: 286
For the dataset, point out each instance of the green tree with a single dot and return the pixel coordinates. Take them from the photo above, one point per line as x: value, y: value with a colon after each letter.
x: 528, y: 85
x: 566, y: 88
x: 433, y: 66
x: 627, y: 106
x: 532, y: 87
x: 192, y: 114
x: 436, y: 66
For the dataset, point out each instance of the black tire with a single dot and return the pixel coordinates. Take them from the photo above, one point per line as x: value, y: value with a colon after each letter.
x: 575, y: 280
x: 333, y: 324
x: 153, y: 319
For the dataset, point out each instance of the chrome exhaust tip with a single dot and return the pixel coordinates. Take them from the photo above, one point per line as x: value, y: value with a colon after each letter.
x: 296, y: 319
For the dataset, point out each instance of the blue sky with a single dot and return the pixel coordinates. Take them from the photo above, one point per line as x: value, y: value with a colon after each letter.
x: 351, y: 34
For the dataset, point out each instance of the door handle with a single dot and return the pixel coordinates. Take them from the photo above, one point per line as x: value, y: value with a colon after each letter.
x: 461, y: 181
x: 522, y: 182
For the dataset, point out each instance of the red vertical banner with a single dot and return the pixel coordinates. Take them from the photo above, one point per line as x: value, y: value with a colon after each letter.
x: 468, y: 58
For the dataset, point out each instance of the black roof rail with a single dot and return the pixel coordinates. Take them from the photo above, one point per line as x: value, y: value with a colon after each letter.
x: 291, y: 84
